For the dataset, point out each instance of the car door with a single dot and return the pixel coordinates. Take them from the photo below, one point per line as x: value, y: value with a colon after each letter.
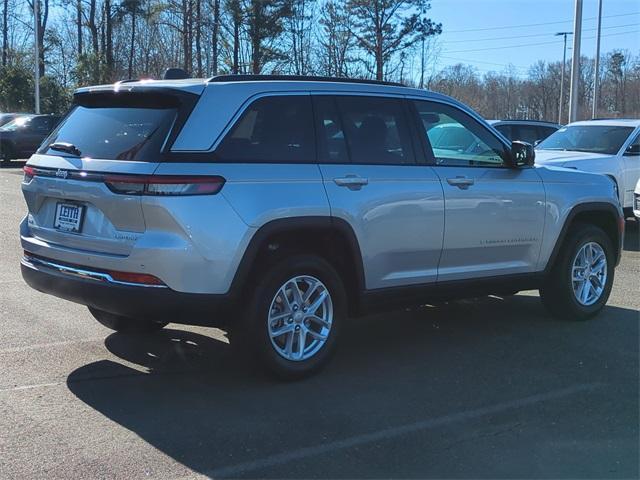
x: 375, y: 182
x: 494, y: 215
x: 631, y: 162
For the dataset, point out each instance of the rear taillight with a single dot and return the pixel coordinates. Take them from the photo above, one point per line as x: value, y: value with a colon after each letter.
x: 29, y: 172
x: 164, y: 185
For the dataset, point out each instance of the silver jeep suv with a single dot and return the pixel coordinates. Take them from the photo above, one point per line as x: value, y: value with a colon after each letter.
x: 277, y: 207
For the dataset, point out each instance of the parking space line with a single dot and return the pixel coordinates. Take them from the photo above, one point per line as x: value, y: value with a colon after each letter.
x: 28, y: 387
x: 37, y: 346
x: 389, y: 433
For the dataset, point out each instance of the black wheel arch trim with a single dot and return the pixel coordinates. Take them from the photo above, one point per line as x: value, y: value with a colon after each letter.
x: 283, y: 225
x: 582, y: 208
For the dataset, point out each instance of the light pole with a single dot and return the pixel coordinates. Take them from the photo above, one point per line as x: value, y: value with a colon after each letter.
x: 564, y: 61
x: 575, y: 63
x: 596, y: 73
x: 36, y: 35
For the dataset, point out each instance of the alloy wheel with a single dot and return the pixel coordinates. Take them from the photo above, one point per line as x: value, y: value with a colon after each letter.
x: 300, y: 318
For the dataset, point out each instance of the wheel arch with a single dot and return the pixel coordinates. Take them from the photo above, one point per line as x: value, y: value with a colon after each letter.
x: 331, y: 238
x: 601, y: 214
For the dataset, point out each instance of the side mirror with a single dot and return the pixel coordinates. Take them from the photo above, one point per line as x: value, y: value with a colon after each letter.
x: 522, y: 154
x: 536, y: 143
x: 633, y: 150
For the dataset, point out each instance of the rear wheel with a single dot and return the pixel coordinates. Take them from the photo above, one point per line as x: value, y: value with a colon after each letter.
x: 126, y: 324
x: 6, y: 153
x: 580, y: 282
x: 294, y: 316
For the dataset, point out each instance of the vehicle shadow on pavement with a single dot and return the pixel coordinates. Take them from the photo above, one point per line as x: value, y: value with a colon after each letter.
x: 200, y: 406
x: 632, y: 236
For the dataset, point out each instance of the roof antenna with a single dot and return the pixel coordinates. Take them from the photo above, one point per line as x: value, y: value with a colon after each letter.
x: 175, y: 74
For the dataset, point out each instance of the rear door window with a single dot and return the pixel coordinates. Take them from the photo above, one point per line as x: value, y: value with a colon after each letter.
x: 274, y: 129
x: 525, y: 133
x: 116, y: 130
x: 505, y: 130
x: 376, y: 130
x: 544, y: 132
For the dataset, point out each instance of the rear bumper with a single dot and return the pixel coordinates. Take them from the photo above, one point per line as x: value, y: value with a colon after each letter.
x: 94, y: 290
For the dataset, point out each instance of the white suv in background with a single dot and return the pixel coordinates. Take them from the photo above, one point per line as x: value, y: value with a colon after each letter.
x: 610, y: 147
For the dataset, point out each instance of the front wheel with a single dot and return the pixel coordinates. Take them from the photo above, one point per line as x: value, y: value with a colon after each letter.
x: 125, y: 324
x: 294, y: 316
x: 580, y: 282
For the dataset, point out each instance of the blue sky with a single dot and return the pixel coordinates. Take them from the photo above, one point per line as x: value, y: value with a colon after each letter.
x: 470, y: 29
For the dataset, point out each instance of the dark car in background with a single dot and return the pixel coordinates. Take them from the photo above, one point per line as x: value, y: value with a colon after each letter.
x: 530, y: 131
x: 22, y: 136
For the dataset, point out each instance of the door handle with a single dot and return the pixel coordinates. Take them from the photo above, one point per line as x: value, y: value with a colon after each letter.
x: 461, y: 182
x: 351, y: 181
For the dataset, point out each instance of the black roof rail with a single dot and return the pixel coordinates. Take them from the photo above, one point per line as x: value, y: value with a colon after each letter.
x: 303, y: 78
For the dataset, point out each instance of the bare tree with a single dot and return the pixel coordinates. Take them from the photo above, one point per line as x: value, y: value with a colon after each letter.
x: 336, y: 42
x: 215, y: 34
x: 384, y: 27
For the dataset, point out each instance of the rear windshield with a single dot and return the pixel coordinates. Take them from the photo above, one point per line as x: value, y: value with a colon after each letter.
x: 115, y: 131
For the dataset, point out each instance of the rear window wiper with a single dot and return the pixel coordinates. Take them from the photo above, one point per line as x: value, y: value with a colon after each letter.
x: 66, y: 147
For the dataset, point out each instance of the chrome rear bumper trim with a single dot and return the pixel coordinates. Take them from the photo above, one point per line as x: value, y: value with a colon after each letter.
x: 39, y: 264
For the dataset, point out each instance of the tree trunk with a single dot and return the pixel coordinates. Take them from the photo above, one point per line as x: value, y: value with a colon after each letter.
x: 42, y: 25
x: 236, y: 45
x: 198, y: 37
x: 79, y: 25
x: 255, y: 37
x: 187, y: 32
x: 93, y: 28
x: 5, y: 32
x: 379, y: 58
x: 215, y: 33
x: 133, y: 42
x: 109, y: 34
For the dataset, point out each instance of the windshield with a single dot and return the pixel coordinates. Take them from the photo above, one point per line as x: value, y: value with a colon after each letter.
x: 605, y: 139
x: 15, y: 124
x: 114, y: 132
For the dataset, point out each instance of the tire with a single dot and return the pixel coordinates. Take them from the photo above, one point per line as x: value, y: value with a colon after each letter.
x: 560, y: 293
x: 267, y: 313
x: 125, y: 324
x: 6, y: 153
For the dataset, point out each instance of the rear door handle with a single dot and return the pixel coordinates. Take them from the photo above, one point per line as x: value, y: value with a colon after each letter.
x: 461, y: 182
x: 351, y: 181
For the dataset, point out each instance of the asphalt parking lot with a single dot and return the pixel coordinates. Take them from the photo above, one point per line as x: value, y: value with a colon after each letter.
x: 490, y: 388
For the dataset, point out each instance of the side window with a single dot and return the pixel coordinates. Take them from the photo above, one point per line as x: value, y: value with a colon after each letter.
x: 634, y: 147
x: 376, y: 130
x: 525, y: 133
x: 272, y: 130
x: 544, y: 132
x: 505, y: 130
x: 457, y: 139
x: 332, y: 146
x: 39, y: 124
